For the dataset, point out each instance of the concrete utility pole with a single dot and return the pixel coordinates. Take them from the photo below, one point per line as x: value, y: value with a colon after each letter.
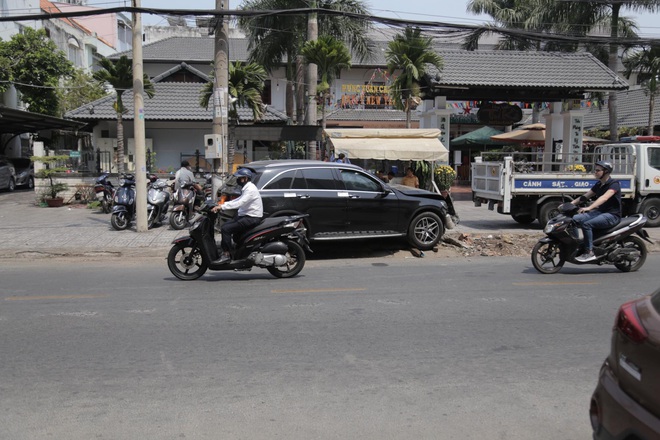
x: 221, y: 87
x: 311, y: 79
x: 138, y: 124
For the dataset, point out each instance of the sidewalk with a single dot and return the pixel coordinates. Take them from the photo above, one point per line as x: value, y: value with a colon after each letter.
x: 27, y: 230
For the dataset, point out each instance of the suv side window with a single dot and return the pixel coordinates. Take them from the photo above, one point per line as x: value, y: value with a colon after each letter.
x: 318, y: 178
x: 282, y: 181
x: 356, y: 181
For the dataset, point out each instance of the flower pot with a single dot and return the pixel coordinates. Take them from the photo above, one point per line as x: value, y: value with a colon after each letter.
x: 55, y: 202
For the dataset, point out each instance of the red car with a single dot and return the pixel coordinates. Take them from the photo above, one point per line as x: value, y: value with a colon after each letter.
x: 626, y: 403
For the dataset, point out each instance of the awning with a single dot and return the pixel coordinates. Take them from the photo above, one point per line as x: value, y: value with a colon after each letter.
x: 389, y: 144
x: 14, y: 121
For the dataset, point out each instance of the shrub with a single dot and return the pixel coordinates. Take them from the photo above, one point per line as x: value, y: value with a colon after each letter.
x: 444, y: 177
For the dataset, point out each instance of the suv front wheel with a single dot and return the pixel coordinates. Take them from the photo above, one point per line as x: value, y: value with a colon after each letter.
x: 425, y: 231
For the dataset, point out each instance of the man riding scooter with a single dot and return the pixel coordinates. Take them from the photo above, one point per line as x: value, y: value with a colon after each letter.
x: 603, y: 213
x: 250, y: 212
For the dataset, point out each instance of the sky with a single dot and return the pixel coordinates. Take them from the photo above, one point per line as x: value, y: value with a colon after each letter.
x: 452, y: 11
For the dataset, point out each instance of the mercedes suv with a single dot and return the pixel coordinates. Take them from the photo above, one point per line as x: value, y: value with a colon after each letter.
x: 346, y: 202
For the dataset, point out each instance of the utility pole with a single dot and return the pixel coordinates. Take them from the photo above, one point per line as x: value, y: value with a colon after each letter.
x: 138, y: 124
x: 311, y: 79
x: 221, y: 89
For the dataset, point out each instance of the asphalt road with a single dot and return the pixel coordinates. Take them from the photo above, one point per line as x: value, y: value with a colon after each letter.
x: 401, y: 349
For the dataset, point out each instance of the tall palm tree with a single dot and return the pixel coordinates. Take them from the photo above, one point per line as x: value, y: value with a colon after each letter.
x: 276, y: 39
x: 409, y: 53
x: 646, y: 62
x: 246, y: 84
x: 331, y: 56
x: 119, y: 74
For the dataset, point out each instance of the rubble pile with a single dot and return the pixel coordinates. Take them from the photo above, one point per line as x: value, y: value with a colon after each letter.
x: 490, y: 245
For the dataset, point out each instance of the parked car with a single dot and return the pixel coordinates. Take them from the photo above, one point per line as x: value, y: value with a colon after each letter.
x: 7, y: 175
x: 24, y: 168
x: 626, y: 403
x: 346, y: 202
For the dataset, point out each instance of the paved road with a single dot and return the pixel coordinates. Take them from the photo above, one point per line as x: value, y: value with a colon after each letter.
x: 27, y: 229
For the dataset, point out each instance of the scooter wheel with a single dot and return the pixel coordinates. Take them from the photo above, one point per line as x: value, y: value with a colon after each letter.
x: 295, y: 261
x: 178, y: 220
x: 638, y: 245
x: 119, y: 221
x: 546, y: 257
x: 186, y: 262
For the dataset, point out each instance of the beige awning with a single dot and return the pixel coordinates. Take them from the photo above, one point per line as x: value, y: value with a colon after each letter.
x: 389, y: 144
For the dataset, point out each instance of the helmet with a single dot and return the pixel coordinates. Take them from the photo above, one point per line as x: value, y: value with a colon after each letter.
x: 243, y: 172
x: 607, y: 166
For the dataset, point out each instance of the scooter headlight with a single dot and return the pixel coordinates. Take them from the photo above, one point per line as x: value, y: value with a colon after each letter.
x: 550, y: 227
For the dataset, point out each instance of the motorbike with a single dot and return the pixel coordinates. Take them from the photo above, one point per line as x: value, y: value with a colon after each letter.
x: 185, y: 199
x: 123, y: 209
x: 277, y: 244
x: 158, y: 201
x: 105, y: 192
x: 621, y: 245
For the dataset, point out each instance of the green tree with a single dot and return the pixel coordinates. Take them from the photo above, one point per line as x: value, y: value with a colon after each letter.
x: 647, y: 63
x: 77, y: 90
x: 275, y: 39
x: 410, y: 54
x: 119, y: 74
x: 246, y: 84
x: 35, y: 65
x: 331, y: 56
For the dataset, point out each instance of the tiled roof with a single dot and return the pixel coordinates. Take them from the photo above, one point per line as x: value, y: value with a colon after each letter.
x: 345, y: 114
x: 524, y: 69
x: 632, y: 111
x: 172, y: 102
x: 190, y: 49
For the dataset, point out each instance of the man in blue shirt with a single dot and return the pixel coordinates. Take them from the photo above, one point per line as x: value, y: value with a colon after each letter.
x: 603, y: 213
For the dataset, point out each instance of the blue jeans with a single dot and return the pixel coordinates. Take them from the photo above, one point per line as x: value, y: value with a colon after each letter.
x: 591, y: 220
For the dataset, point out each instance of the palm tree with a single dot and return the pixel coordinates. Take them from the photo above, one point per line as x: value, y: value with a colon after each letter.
x: 119, y: 74
x: 331, y: 56
x: 647, y: 63
x: 246, y: 84
x: 275, y: 39
x: 411, y: 54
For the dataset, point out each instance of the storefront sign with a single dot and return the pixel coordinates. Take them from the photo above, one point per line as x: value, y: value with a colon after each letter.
x: 369, y: 95
x: 499, y: 114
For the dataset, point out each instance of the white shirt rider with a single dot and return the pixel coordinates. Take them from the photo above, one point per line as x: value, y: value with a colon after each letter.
x: 249, y: 203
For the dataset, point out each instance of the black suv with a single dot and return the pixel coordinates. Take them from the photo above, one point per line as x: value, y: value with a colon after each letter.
x: 346, y: 202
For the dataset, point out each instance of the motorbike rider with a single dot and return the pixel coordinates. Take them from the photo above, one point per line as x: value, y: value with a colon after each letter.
x: 185, y: 175
x: 250, y: 212
x: 603, y: 213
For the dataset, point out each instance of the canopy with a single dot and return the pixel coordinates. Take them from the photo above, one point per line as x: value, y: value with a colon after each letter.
x: 389, y: 144
x: 480, y: 136
x: 534, y: 134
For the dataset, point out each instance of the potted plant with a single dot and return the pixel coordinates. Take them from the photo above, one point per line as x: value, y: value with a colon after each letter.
x: 444, y: 176
x: 51, y: 192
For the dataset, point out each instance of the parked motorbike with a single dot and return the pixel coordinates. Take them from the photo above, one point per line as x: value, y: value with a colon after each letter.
x: 105, y: 192
x: 277, y: 244
x: 123, y: 209
x: 158, y: 202
x: 184, y: 205
x: 620, y: 245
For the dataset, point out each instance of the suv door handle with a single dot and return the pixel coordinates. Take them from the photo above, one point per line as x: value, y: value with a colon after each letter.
x: 304, y: 196
x: 353, y: 196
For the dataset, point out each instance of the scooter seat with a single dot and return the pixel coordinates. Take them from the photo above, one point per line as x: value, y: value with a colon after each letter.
x: 626, y: 221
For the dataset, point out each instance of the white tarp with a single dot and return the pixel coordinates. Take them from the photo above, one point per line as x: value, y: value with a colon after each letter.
x: 388, y: 144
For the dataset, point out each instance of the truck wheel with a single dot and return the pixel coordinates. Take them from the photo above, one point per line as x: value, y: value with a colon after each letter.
x: 651, y: 210
x: 548, y: 210
x: 523, y: 219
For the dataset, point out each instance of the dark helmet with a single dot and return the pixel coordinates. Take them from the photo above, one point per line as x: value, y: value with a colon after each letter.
x: 184, y: 163
x: 243, y: 172
x: 607, y: 166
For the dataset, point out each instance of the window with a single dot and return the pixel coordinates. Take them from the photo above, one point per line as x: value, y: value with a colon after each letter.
x: 317, y: 178
x: 282, y: 181
x: 654, y: 157
x: 356, y: 181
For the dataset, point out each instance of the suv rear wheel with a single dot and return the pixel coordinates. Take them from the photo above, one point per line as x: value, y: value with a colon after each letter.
x: 425, y: 231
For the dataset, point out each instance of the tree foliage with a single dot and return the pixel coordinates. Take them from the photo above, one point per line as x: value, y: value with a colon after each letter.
x: 410, y: 54
x: 647, y: 63
x: 35, y: 65
x: 77, y: 90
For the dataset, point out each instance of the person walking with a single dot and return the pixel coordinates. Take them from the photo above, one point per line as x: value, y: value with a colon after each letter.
x: 603, y: 213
